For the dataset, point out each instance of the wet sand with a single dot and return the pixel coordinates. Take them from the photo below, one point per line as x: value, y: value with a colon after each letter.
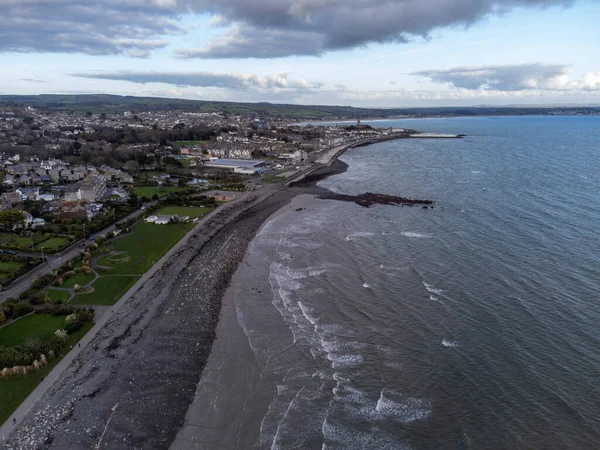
x: 133, y: 385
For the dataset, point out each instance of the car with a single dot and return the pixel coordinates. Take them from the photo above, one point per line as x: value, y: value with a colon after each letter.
x: 143, y: 207
x: 10, y: 252
x: 92, y: 238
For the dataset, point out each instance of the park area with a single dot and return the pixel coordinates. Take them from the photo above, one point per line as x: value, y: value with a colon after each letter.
x: 161, y: 191
x: 131, y: 256
x: 13, y: 390
x: 28, y: 244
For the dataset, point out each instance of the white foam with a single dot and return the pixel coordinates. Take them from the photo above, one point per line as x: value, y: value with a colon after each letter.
x: 406, y: 411
x: 381, y: 266
x: 362, y: 234
x: 447, y: 343
x: 433, y: 298
x: 432, y: 289
x: 366, y: 285
x: 342, y: 361
x: 411, y: 234
x: 348, y: 238
x: 308, y: 313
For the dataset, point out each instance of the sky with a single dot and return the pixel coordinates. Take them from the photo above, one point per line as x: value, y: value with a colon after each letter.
x: 369, y: 53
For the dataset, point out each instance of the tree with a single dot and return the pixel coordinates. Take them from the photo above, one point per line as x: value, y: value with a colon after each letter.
x: 86, y: 157
x: 132, y: 166
x: 11, y: 218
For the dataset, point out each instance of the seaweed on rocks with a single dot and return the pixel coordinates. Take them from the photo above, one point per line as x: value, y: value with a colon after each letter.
x: 369, y: 199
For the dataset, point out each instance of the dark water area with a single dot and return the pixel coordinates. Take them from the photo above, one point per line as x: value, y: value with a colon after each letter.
x: 474, y: 325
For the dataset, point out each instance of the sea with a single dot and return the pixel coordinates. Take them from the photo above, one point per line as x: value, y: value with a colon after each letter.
x: 472, y: 325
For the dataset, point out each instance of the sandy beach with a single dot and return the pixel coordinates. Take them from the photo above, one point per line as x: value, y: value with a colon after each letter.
x: 131, y: 387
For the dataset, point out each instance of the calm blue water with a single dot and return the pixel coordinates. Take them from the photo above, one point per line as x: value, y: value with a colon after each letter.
x: 475, y: 325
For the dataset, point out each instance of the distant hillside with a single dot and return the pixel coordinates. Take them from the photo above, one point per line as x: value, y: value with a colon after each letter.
x: 101, y: 103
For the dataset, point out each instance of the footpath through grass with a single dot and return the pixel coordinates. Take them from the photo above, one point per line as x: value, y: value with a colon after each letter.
x: 40, y: 326
x: 13, y: 391
x: 79, y: 278
x: 146, y: 244
x: 107, y: 290
x: 57, y: 295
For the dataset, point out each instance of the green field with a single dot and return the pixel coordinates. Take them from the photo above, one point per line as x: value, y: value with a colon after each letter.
x: 273, y: 179
x: 189, y: 211
x: 79, y: 278
x: 8, y: 269
x: 162, y: 191
x: 146, y: 244
x: 14, y: 390
x: 10, y: 240
x: 39, y: 326
x: 52, y: 243
x: 107, y: 290
x: 58, y: 294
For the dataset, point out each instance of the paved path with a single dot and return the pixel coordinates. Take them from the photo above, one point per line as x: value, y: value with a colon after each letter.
x: 22, y: 283
x: 102, y: 317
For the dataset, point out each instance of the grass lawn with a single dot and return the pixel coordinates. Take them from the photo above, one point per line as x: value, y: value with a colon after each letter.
x: 107, y: 290
x: 80, y: 278
x: 41, y: 326
x: 149, y: 191
x: 273, y: 179
x: 151, y: 240
x: 52, y: 243
x: 14, y: 241
x: 8, y: 269
x: 58, y: 294
x: 14, y: 390
x: 184, y: 211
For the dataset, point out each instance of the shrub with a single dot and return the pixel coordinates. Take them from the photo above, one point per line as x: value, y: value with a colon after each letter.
x: 60, y: 281
x: 56, y: 310
x: 61, y: 334
x: 20, y: 309
x: 38, y: 299
x: 2, y: 317
x: 73, y: 326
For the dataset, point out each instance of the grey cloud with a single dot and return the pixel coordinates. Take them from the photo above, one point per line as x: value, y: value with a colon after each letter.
x: 262, y: 29
x: 209, y: 79
x: 301, y: 27
x: 31, y: 80
x: 512, y: 77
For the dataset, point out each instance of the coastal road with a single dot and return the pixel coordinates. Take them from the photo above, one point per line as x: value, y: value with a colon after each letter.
x: 53, y: 262
x: 8, y: 427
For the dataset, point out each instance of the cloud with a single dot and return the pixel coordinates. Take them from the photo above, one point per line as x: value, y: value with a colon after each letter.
x: 209, y: 79
x: 258, y: 29
x: 275, y: 28
x: 31, y: 80
x: 510, y: 78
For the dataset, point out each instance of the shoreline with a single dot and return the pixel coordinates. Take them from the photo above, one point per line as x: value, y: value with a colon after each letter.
x: 175, y: 312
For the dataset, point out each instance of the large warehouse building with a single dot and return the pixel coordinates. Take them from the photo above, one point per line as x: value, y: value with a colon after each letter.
x: 245, y: 166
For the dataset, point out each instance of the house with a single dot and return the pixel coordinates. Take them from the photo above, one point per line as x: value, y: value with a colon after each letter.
x: 28, y: 193
x: 71, y: 210
x: 27, y: 219
x: 14, y: 197
x: 38, y: 223
x: 164, y: 219
x: 45, y: 197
